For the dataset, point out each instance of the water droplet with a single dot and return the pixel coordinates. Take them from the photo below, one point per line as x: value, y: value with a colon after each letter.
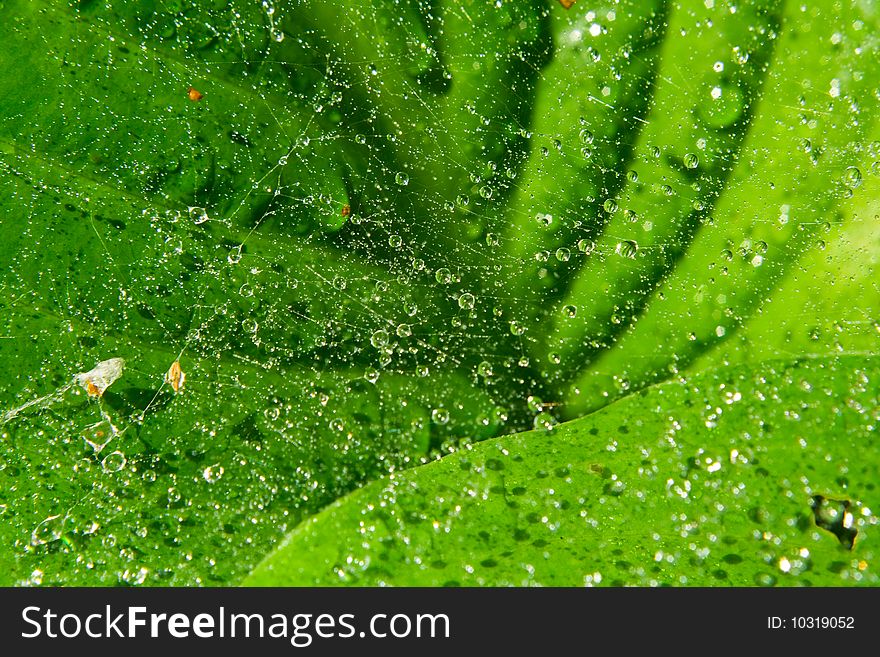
x: 51, y: 529
x: 610, y: 206
x: 401, y: 178
x: 114, y: 462
x: 98, y: 435
x: 198, y: 215
x: 563, y: 254
x: 440, y: 416
x: 492, y: 239
x: 462, y: 200
x: 395, y: 241
x: 516, y: 328
x: 627, y: 249
x: 545, y: 421
x: 486, y: 192
x: 234, y: 256
x: 466, y: 301
x: 632, y: 176
x: 586, y: 246
x: 586, y: 136
x: 544, y: 220
x: 484, y: 369
x: 403, y: 331
x: 852, y: 177
x: 765, y: 579
x: 691, y: 161
x: 250, y: 325
x: 379, y: 339
x: 443, y: 276
x: 569, y: 310
x: 212, y: 473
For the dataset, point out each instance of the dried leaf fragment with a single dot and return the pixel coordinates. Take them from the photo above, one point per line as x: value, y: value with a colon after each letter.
x: 101, y: 376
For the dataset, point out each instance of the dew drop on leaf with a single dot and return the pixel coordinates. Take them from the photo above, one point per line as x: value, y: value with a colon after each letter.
x: 466, y: 301
x: 627, y: 249
x: 852, y: 177
x: 113, y: 462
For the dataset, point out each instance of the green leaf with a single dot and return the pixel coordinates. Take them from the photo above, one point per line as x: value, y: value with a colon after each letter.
x: 756, y: 475
x: 373, y: 233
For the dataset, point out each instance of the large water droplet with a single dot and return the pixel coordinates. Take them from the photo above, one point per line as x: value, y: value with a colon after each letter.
x: 443, y: 276
x: 379, y: 339
x: 114, y: 462
x: 852, y: 177
x: 627, y: 249
x: 51, y: 529
x: 586, y: 246
x: 545, y: 421
x: 212, y: 473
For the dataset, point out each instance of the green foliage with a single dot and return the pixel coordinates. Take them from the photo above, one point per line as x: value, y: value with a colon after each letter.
x: 381, y: 232
x: 745, y: 476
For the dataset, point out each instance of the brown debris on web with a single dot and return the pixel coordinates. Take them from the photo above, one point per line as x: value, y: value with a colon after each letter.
x: 175, y: 376
x: 101, y: 376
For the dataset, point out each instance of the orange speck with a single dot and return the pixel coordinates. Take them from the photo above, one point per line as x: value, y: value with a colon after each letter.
x: 175, y: 376
x: 346, y: 210
x: 194, y: 94
x: 93, y: 390
x: 567, y: 3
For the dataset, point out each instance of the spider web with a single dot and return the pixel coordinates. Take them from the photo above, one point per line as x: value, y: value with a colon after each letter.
x: 336, y: 241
